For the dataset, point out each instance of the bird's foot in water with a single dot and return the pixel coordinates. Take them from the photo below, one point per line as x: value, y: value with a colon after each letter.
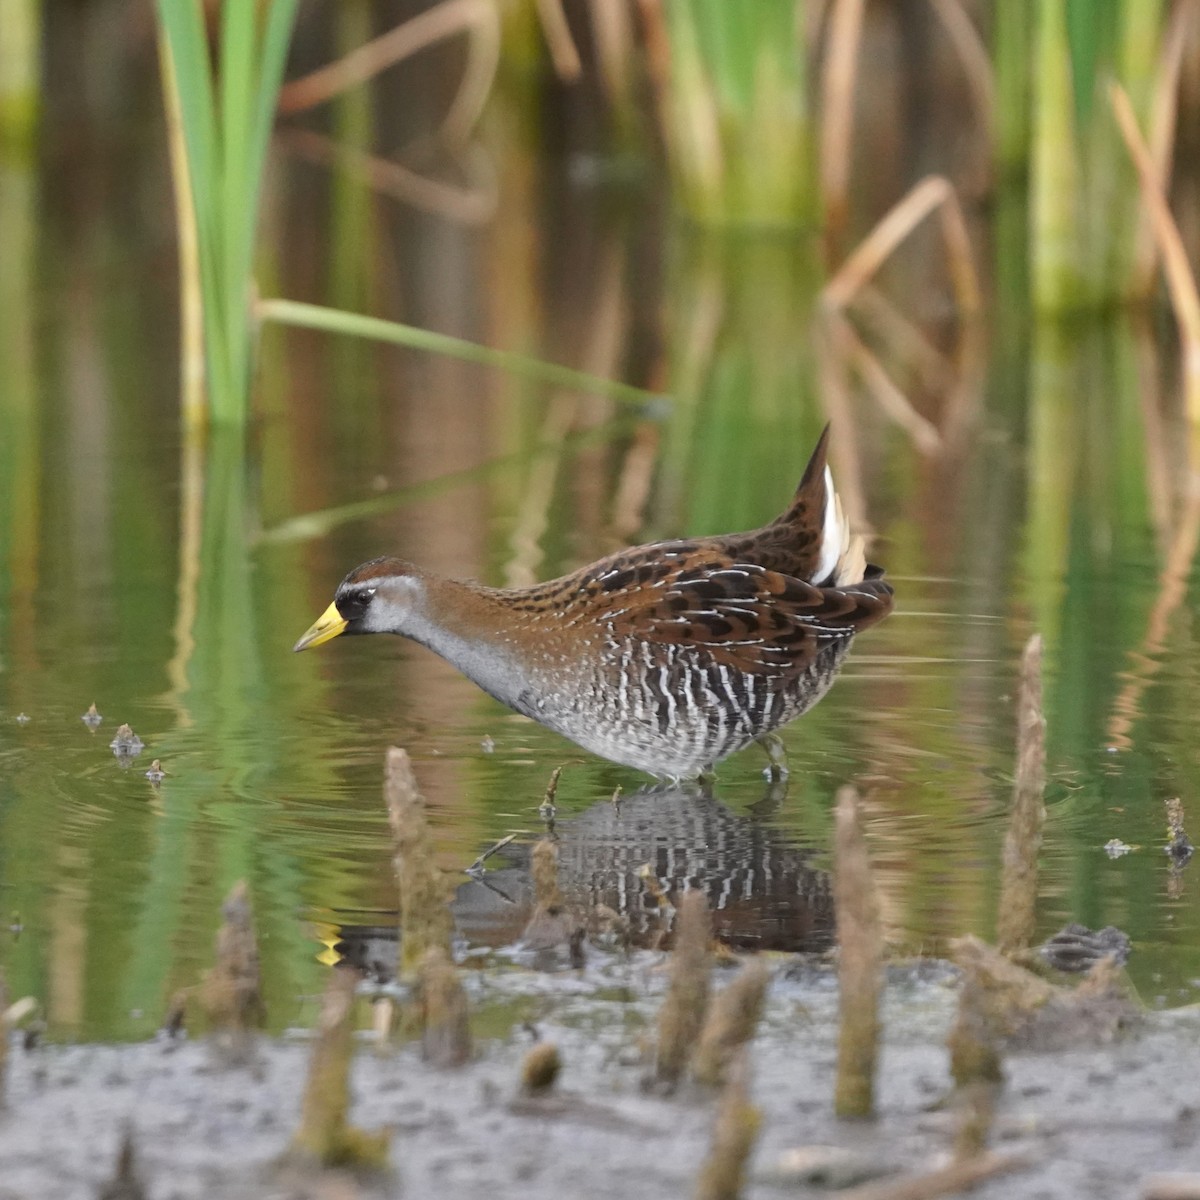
x: 772, y: 743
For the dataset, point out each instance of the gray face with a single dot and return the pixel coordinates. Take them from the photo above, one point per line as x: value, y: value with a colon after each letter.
x: 382, y: 605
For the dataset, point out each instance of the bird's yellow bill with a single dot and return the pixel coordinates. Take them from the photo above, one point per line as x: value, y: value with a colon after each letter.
x: 326, y: 627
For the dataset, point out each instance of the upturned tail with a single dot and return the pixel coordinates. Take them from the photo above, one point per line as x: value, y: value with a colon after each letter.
x: 827, y: 553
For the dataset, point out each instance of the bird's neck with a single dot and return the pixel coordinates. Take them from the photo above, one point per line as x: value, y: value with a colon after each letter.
x: 471, y: 627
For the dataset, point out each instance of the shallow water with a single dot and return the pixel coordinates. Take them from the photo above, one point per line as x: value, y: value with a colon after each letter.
x: 167, y: 583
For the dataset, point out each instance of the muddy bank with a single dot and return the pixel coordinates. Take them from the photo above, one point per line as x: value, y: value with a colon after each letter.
x: 1091, y: 1121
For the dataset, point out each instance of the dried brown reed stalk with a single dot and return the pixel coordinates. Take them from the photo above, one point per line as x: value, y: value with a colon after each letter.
x: 1162, y: 477
x: 563, y: 52
x: 1181, y: 284
x: 932, y: 194
x: 469, y: 205
x: 976, y: 61
x: 1163, y: 112
x: 1148, y: 660
x: 1018, y: 884
x: 478, y: 18
x: 634, y: 483
x: 882, y: 317
x: 860, y: 952
x: 894, y: 403
x: 533, y: 517
x: 837, y: 124
x: 616, y: 48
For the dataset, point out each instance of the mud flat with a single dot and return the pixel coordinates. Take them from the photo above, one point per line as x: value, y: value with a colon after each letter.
x: 1091, y: 1120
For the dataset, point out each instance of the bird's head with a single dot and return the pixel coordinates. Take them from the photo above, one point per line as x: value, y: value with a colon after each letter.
x: 376, y: 597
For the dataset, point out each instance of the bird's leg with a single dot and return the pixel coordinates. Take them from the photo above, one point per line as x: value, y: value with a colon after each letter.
x: 772, y: 743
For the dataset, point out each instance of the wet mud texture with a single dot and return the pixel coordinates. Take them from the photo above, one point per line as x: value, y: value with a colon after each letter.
x: 1094, y: 1121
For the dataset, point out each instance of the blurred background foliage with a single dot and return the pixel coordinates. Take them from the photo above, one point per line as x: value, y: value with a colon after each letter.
x: 917, y: 218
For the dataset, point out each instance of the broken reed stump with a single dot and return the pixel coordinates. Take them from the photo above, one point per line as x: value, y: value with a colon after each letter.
x: 860, y: 951
x: 425, y: 920
x: 445, y: 1016
x: 1023, y: 1008
x: 540, y: 1068
x: 732, y: 1019
x: 736, y: 1130
x: 681, y: 1017
x: 553, y: 923
x: 1179, y: 847
x: 325, y: 1136
x: 231, y: 993
x: 1018, y: 885
x: 126, y: 1182
x: 975, y: 1067
x: 544, y: 869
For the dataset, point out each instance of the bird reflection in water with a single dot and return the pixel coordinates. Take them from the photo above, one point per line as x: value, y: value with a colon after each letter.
x: 632, y: 858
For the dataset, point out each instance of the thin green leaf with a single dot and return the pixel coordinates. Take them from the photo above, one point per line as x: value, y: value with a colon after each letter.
x: 1092, y: 28
x: 238, y: 182
x: 313, y: 316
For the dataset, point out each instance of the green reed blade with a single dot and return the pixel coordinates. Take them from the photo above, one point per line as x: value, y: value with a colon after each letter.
x: 238, y: 184
x: 227, y: 126
x: 1055, y: 168
x: 313, y: 316
x: 736, y: 111
x: 249, y: 161
x: 1092, y: 28
x: 1012, y: 38
x: 183, y: 23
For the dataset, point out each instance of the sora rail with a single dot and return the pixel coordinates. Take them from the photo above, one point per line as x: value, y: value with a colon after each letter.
x: 667, y: 657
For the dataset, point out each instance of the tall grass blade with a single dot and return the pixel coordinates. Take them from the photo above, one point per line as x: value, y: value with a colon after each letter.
x: 226, y: 123
x: 1012, y: 38
x: 1092, y: 29
x: 313, y: 316
x: 736, y: 113
x: 1055, y: 173
x: 20, y: 70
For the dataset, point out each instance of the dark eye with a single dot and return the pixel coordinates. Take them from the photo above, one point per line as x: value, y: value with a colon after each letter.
x: 352, y: 605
